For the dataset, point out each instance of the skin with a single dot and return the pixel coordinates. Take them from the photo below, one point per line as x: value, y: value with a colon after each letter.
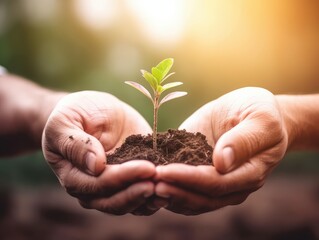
x: 21, y: 121
x: 250, y: 130
x: 78, y: 130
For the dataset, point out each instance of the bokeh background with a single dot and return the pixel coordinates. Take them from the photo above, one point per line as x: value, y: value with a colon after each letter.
x: 218, y: 46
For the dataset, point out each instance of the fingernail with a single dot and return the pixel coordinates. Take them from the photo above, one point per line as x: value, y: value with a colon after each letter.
x: 228, y: 157
x: 91, y: 162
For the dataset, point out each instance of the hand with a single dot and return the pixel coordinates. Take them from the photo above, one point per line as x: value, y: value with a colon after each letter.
x: 82, y: 128
x: 249, y: 136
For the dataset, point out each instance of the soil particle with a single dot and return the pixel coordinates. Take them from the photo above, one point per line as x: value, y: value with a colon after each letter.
x: 174, y: 146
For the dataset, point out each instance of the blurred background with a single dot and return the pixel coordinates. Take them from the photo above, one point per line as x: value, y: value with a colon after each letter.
x: 218, y: 46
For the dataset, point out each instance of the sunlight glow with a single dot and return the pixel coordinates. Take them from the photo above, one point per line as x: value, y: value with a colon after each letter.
x: 97, y: 14
x: 40, y: 13
x: 123, y: 60
x: 162, y: 21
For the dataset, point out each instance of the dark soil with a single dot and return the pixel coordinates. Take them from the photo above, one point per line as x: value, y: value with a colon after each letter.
x: 174, y: 146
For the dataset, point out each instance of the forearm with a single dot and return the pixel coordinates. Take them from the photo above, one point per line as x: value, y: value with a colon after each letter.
x: 24, y: 109
x: 301, y: 118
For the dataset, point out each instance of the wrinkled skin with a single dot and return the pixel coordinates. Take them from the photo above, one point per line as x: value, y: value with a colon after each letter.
x: 248, y: 133
x: 82, y: 128
x: 250, y: 130
x: 245, y: 127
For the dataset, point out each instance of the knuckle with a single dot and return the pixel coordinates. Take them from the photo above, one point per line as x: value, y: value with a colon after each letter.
x: 75, y: 186
x: 258, y: 180
x: 269, y: 133
x: 69, y: 183
x: 68, y: 150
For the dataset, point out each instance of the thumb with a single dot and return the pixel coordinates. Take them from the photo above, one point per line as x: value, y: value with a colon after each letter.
x: 84, y: 151
x: 240, y: 143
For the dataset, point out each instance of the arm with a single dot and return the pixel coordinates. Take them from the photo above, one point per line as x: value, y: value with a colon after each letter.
x: 24, y: 110
x: 301, y: 117
x: 78, y: 129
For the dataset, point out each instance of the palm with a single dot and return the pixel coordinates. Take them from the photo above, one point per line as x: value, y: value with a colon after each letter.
x: 248, y: 122
x: 84, y: 127
x: 105, y: 120
x: 247, y: 110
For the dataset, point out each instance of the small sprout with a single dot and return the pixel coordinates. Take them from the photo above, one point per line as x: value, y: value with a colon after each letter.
x: 155, y: 79
x: 71, y: 137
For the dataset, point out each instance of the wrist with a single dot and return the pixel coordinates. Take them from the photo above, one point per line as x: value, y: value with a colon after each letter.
x: 44, y: 102
x: 290, y: 120
x: 301, y: 117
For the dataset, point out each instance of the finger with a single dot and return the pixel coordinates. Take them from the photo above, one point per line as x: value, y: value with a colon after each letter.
x: 113, y: 179
x: 244, y: 141
x: 207, y: 180
x: 124, y: 201
x: 151, y: 206
x: 143, y: 210
x: 158, y: 202
x: 81, y: 149
x: 189, y: 203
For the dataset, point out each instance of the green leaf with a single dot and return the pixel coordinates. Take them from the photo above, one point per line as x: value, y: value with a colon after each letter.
x: 157, y: 74
x: 167, y: 76
x: 165, y: 65
x: 140, y: 88
x: 171, y: 96
x: 159, y: 89
x: 150, y: 79
x: 171, y: 85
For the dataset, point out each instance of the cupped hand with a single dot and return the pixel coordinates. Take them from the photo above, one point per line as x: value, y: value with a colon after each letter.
x: 80, y: 131
x: 249, y: 136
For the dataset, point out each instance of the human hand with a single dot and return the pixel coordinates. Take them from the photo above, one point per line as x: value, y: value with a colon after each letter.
x: 249, y: 136
x: 82, y: 128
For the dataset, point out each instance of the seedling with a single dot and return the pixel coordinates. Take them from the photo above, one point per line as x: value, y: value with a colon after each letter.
x: 155, y: 79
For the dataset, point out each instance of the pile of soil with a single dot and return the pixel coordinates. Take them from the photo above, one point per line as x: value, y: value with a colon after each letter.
x: 174, y: 146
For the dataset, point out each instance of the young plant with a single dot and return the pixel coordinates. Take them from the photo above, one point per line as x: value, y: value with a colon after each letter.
x: 155, y: 79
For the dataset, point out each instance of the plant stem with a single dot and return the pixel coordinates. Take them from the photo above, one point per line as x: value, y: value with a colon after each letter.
x: 156, y: 98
